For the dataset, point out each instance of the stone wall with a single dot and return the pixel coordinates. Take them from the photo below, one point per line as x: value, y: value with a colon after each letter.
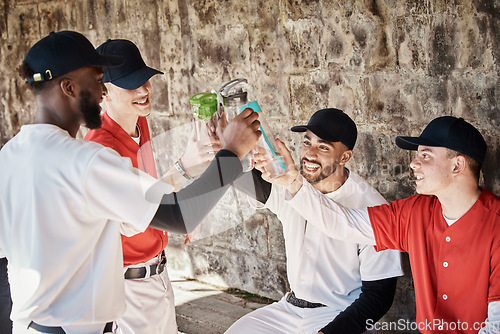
x: 391, y: 65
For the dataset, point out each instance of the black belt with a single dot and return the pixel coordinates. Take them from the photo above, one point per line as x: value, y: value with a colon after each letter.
x: 136, y: 273
x: 301, y: 302
x: 58, y: 330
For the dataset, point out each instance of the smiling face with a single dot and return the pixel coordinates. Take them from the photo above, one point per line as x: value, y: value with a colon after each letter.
x: 319, y: 159
x: 433, y: 169
x: 129, y: 102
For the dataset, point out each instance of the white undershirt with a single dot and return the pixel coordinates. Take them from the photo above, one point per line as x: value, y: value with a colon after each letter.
x: 450, y: 221
x: 138, y: 138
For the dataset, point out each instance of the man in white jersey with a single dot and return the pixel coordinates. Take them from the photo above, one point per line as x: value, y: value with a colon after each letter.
x: 62, y: 200
x: 336, y: 286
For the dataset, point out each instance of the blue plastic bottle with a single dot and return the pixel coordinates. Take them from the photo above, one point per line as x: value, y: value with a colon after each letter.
x: 275, y: 162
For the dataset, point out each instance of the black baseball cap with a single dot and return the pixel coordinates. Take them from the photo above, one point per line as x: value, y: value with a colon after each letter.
x: 450, y: 132
x: 134, y: 72
x: 62, y: 52
x: 331, y: 125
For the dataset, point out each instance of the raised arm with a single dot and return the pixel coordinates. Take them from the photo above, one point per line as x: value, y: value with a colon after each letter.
x: 181, y: 212
x: 199, y: 153
x: 334, y: 220
x: 331, y: 218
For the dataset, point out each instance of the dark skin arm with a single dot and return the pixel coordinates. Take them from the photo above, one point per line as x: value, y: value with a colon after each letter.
x: 181, y: 212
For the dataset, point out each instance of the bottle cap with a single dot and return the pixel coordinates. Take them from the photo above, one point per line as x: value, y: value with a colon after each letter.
x: 234, y: 92
x: 204, y: 105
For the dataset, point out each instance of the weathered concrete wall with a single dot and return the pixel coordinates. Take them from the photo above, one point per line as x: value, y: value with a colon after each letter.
x: 392, y: 65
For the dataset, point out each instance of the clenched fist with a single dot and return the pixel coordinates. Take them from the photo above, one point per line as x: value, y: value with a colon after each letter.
x: 241, y: 134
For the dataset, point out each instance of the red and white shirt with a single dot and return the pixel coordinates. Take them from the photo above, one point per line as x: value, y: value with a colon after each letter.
x: 456, y: 269
x: 143, y: 246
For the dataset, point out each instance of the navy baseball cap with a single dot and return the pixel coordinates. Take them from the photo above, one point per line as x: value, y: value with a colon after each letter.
x: 62, y: 52
x: 332, y: 125
x: 134, y: 72
x: 451, y: 132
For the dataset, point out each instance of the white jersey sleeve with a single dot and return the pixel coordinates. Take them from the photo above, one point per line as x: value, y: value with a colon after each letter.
x: 336, y: 221
x: 117, y: 191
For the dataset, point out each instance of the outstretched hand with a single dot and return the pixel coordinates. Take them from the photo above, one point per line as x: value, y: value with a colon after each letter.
x: 292, y: 174
x: 203, y: 144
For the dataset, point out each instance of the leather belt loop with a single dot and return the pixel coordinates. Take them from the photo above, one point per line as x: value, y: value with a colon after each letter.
x: 290, y: 298
x: 108, y: 328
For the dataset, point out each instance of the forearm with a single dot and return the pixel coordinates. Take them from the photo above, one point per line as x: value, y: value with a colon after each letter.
x: 180, y: 175
x: 174, y: 178
x: 336, y: 221
x: 181, y: 212
x: 375, y: 300
x: 252, y: 184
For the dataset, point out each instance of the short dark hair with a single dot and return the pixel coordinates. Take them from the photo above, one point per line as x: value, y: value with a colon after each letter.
x: 474, y: 165
x: 26, y: 72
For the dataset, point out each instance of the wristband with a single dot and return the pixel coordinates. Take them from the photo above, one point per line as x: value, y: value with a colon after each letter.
x: 180, y: 169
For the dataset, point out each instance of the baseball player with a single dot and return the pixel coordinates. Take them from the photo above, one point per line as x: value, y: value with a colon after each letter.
x: 148, y: 293
x: 451, y: 230
x: 62, y: 200
x: 336, y: 286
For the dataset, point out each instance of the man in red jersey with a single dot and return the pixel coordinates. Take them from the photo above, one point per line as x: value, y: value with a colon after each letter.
x: 451, y: 230
x: 148, y: 292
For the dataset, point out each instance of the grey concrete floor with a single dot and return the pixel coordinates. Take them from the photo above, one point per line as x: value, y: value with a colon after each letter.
x: 206, y: 309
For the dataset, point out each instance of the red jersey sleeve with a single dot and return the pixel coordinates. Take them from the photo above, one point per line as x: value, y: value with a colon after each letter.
x: 391, y: 223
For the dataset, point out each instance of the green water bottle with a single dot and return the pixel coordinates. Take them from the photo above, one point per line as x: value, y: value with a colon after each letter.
x: 204, y: 107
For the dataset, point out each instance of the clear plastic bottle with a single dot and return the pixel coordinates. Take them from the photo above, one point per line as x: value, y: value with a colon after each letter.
x: 266, y: 143
x: 234, y: 95
x: 205, y: 113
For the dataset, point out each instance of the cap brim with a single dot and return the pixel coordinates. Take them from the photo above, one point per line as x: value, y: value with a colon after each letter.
x: 299, y: 128
x: 135, y: 79
x: 316, y: 131
x: 412, y: 143
x: 109, y: 61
